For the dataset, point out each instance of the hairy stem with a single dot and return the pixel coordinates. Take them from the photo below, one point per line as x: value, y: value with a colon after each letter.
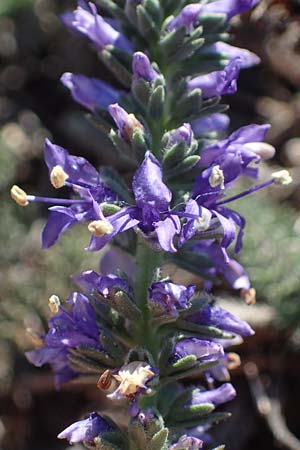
x: 147, y: 262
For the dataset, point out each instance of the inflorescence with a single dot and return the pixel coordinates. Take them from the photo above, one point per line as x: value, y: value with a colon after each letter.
x: 159, y: 349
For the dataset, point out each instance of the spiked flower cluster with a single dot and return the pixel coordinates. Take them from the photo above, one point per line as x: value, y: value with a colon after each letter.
x: 141, y: 335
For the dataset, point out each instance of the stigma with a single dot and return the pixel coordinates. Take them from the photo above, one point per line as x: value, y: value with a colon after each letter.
x: 18, y: 195
x: 100, y: 228
x: 58, y: 177
x: 217, y: 177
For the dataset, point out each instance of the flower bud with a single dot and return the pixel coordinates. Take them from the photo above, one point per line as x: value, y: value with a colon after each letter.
x: 142, y: 68
x: 126, y: 123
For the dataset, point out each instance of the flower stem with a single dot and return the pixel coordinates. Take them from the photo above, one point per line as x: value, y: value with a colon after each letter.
x: 147, y: 262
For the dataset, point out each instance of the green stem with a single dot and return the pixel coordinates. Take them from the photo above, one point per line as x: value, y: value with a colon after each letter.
x: 147, y: 262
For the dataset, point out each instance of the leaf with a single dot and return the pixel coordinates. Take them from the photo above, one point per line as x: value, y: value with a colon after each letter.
x: 159, y: 440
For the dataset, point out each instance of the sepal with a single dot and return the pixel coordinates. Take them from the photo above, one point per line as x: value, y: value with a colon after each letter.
x: 112, y: 59
x: 184, y: 166
x: 147, y: 431
x: 111, y: 440
x: 202, y: 330
x: 146, y: 24
x: 156, y: 103
x: 213, y: 23
x: 112, y: 8
x: 113, y: 348
x: 192, y: 412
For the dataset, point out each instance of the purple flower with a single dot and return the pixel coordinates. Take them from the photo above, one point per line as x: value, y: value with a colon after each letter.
x: 188, y: 18
x: 229, y: 7
x: 218, y: 83
x: 204, y: 350
x: 132, y: 380
x: 231, y: 270
x: 106, y: 285
x: 90, y: 92
x: 142, y: 68
x: 86, y: 430
x: 229, y: 361
x: 186, y: 442
x: 214, y: 123
x: 222, y: 319
x: 169, y: 297
x: 222, y: 394
x: 87, y: 22
x: 235, y: 153
x: 151, y: 213
x: 247, y: 58
x: 67, y: 330
x: 78, y: 174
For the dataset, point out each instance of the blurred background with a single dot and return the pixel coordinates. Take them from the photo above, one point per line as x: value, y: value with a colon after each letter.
x: 35, y: 50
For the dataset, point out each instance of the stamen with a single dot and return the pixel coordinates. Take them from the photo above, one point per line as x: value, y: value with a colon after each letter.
x: 216, y: 177
x: 131, y: 125
x: 18, y: 195
x: 55, y: 201
x: 100, y: 228
x: 234, y: 361
x: 249, y: 296
x: 247, y: 192
x: 58, y: 177
x: 54, y: 304
x: 282, y: 177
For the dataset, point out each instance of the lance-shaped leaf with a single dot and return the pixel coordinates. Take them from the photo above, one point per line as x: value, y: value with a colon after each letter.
x: 190, y: 412
x: 159, y: 440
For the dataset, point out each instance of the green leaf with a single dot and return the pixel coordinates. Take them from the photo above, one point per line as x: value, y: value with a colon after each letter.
x: 191, y: 412
x: 159, y: 440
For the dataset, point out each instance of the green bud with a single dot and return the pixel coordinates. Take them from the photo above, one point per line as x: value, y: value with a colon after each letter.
x: 174, y: 155
x: 109, y: 209
x: 172, y: 42
x: 145, y: 24
x: 156, y: 103
x: 187, y: 164
x: 139, y: 144
x: 141, y: 90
